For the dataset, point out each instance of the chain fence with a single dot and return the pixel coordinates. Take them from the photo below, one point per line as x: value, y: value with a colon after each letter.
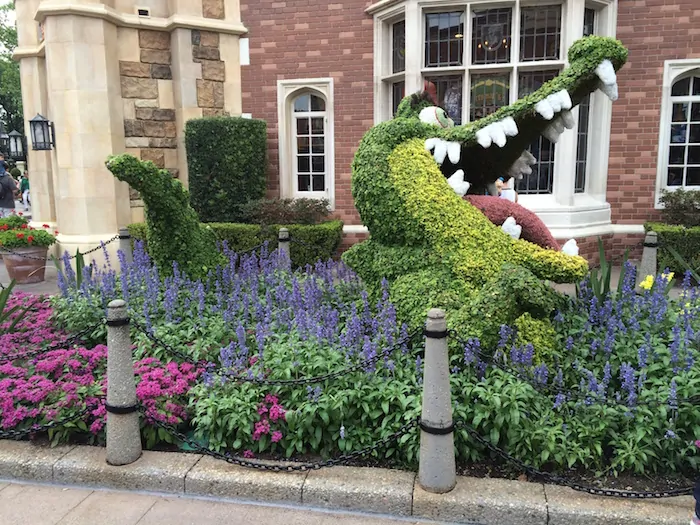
x: 36, y: 429
x: 71, y: 257
x: 68, y: 343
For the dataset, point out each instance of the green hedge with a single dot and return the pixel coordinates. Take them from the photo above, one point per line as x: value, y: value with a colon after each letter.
x: 227, y: 164
x: 323, y: 239
x: 686, y: 241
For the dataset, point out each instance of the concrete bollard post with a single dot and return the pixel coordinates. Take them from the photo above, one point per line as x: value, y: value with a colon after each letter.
x: 125, y: 244
x: 283, y: 243
x: 649, y: 257
x: 123, y: 432
x: 436, y: 471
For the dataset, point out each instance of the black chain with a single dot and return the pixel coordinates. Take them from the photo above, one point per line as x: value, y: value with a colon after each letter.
x: 92, y: 250
x: 174, y: 351
x: 41, y: 351
x: 560, y: 480
x: 301, y: 467
x: 19, y: 434
x: 286, y: 382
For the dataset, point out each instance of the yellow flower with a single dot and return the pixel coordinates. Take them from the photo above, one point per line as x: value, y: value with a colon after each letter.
x: 667, y: 276
x: 647, y: 283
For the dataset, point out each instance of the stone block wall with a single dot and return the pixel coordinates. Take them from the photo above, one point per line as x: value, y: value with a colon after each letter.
x: 149, y: 112
x: 210, y: 88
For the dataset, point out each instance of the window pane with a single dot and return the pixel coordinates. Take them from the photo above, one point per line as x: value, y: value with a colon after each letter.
x: 398, y: 47
x: 678, y: 133
x: 680, y: 113
x: 531, y: 81
x: 695, y: 134
x: 582, y: 150
x: 319, y: 182
x: 397, y: 93
x: 304, y: 182
x: 540, y: 33
x: 301, y: 103
x: 318, y: 164
x: 491, y: 32
x: 318, y: 144
x: 317, y: 103
x: 681, y: 88
x: 675, y: 177
x: 676, y: 155
x: 696, y: 86
x: 302, y: 126
x: 693, y: 155
x: 449, y: 93
x: 317, y: 126
x: 444, y: 39
x: 303, y: 164
x: 588, y: 22
x: 303, y: 145
x: 692, y: 178
x: 694, y: 112
x: 488, y: 93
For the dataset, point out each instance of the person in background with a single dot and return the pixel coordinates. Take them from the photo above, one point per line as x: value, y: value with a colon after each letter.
x: 24, y: 189
x: 506, y: 190
x: 7, y: 190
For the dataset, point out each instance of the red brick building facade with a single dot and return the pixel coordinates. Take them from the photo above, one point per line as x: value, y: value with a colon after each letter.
x: 322, y: 73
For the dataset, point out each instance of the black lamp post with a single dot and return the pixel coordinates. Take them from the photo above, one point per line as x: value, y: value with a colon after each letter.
x: 16, y: 144
x: 42, y: 133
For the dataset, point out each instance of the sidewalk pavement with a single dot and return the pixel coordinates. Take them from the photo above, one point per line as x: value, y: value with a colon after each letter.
x: 337, y: 489
x: 55, y: 505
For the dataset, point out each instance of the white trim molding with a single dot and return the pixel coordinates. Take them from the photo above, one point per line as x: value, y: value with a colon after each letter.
x: 287, y: 90
x: 673, y: 70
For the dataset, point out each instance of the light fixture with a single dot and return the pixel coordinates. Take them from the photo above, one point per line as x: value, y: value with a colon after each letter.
x: 16, y: 144
x: 459, y: 35
x: 42, y: 133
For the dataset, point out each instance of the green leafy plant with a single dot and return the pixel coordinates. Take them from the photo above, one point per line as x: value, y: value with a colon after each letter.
x: 286, y: 211
x: 600, y: 278
x: 681, y: 207
x: 694, y: 272
x: 13, y: 222
x: 227, y: 165
x: 683, y: 240
x: 81, y: 269
x: 24, y: 238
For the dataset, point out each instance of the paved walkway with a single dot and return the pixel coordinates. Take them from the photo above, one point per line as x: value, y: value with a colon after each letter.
x: 54, y: 505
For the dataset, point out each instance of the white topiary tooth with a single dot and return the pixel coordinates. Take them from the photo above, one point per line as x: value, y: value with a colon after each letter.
x: 565, y: 99
x: 498, y: 134
x: 570, y: 247
x: 606, y: 73
x: 483, y: 137
x: 551, y: 134
x: 454, y: 152
x: 545, y: 110
x: 513, y: 229
x: 555, y: 102
x: 531, y: 160
x: 458, y: 184
x: 568, y: 119
x: 558, y: 125
x: 527, y: 171
x: 430, y: 143
x: 510, y: 127
x: 440, y: 152
x: 610, y: 91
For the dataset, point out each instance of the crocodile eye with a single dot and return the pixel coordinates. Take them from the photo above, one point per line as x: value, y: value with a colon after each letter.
x: 443, y: 119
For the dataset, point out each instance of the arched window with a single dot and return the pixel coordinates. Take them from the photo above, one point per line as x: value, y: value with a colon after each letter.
x: 683, y: 139
x: 309, y: 144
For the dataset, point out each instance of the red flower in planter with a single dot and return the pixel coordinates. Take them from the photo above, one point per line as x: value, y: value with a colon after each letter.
x: 30, y: 239
x: 20, y: 213
x: 55, y: 232
x: 20, y: 236
x: 45, y: 226
x: 4, y: 227
x: 23, y: 227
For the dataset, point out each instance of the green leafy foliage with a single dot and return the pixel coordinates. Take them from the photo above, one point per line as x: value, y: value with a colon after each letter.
x: 683, y: 240
x: 13, y: 222
x: 10, y: 88
x: 174, y: 233
x: 681, y: 207
x: 25, y: 238
x: 600, y: 278
x: 227, y: 165
x: 320, y: 241
x: 286, y: 211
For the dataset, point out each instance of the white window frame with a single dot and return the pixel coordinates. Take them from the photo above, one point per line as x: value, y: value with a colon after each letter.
x: 287, y: 91
x: 564, y: 211
x: 673, y: 70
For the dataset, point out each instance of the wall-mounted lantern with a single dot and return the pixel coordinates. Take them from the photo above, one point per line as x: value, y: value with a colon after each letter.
x: 42, y: 133
x: 16, y: 144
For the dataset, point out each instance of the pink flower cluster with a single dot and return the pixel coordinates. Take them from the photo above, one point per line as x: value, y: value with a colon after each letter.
x: 270, y: 411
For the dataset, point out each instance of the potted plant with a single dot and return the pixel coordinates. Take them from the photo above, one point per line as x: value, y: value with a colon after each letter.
x: 24, y: 252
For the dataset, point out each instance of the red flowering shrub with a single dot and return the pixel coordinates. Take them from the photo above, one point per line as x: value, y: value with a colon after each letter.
x: 497, y: 210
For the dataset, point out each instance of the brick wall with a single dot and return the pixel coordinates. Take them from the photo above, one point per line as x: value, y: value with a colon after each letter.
x: 296, y: 39
x: 653, y: 31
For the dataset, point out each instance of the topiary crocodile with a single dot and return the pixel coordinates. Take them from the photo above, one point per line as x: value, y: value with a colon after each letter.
x: 433, y: 247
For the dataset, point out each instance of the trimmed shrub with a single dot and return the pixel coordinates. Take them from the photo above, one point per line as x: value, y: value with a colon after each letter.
x: 681, y: 207
x: 322, y: 239
x: 227, y: 163
x: 286, y: 211
x: 686, y: 241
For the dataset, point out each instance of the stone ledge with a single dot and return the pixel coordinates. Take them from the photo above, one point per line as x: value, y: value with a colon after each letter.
x: 154, y: 471
x: 485, y: 501
x: 212, y: 477
x: 23, y: 460
x: 569, y: 507
x: 354, y: 488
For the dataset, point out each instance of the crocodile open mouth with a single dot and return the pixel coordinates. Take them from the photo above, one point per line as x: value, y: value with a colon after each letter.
x: 454, y: 160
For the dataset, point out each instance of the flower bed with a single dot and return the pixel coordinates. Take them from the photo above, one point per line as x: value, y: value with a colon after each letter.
x: 605, y: 390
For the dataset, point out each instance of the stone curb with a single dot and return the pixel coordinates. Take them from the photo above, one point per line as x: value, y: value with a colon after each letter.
x: 383, y: 491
